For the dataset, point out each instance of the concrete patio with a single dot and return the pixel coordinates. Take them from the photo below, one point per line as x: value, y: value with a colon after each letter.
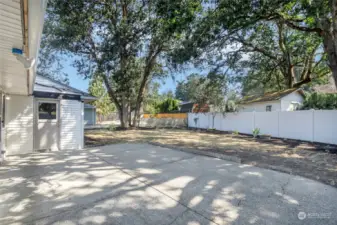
x: 146, y: 184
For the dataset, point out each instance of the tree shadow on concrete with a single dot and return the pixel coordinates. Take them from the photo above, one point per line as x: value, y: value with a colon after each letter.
x: 145, y: 184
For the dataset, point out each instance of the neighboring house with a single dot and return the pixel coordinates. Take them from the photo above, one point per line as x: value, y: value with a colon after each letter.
x: 89, y: 114
x: 186, y: 107
x: 287, y: 100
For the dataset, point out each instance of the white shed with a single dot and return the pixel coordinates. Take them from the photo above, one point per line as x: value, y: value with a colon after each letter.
x: 287, y: 100
x: 50, y: 119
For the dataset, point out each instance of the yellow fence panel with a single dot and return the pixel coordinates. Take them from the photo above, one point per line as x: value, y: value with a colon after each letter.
x: 166, y: 115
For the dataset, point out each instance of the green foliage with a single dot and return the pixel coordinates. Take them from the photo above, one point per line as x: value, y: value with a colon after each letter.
x: 159, y: 103
x: 152, y: 99
x: 320, y: 101
x: 168, y: 105
x: 211, y: 89
x: 236, y: 132
x: 194, y: 88
x: 50, y: 64
x: 111, y: 127
x: 256, y: 132
x: 126, y: 42
x: 265, y: 45
x: 163, y: 106
x: 103, y: 103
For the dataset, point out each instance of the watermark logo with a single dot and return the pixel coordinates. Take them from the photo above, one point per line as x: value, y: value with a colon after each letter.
x: 301, y: 215
x: 310, y: 215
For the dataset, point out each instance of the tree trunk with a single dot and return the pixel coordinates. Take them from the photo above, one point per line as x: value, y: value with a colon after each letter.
x: 150, y: 62
x: 291, y: 76
x: 124, y: 113
x: 330, y: 47
x: 330, y: 39
x: 141, y: 93
x: 130, y: 118
x: 136, y: 116
x: 124, y: 118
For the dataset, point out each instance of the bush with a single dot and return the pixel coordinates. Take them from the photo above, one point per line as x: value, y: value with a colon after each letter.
x: 236, y: 132
x: 112, y: 127
x: 168, y: 105
x: 256, y: 132
x: 320, y: 101
x: 162, y: 106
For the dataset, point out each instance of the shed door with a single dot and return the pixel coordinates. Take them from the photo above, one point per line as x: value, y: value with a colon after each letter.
x: 71, y: 124
x: 47, y: 127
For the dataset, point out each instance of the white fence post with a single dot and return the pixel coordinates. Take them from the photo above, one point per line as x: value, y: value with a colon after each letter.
x: 198, y: 121
x: 278, y: 123
x: 210, y: 120
x: 254, y: 125
x: 313, y: 126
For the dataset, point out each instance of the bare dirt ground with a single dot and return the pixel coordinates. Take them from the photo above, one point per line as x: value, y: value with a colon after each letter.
x: 314, y: 161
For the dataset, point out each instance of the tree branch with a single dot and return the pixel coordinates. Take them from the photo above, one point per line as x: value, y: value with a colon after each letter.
x: 255, y: 48
x: 305, y: 81
x: 301, y: 28
x: 112, y: 94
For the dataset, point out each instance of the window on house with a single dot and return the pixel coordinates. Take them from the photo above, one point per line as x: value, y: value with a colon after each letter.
x: 47, y: 111
x: 268, y: 108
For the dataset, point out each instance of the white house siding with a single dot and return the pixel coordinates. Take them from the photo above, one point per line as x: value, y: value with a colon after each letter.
x: 260, y: 106
x: 71, y: 132
x: 288, y: 99
x: 19, y: 125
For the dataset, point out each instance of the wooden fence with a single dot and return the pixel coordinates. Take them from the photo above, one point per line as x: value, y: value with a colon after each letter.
x: 166, y: 115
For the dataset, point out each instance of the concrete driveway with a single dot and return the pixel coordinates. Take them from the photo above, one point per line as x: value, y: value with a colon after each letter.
x: 145, y: 184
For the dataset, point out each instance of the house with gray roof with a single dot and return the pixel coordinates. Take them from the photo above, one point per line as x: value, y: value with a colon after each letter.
x: 286, y: 100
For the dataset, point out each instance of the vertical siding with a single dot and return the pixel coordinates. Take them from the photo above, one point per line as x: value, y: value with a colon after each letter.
x: 260, y: 106
x: 287, y: 100
x: 71, y: 128
x: 19, y: 125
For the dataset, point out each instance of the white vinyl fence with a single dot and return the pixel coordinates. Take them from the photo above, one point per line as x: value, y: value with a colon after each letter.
x: 307, y: 125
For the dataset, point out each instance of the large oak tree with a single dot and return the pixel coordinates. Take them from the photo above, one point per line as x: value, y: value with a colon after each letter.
x: 125, y: 41
x: 284, y: 37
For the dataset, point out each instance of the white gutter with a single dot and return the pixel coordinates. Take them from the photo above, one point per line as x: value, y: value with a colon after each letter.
x: 36, y: 13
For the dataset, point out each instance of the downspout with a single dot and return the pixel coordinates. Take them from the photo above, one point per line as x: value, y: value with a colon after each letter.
x: 24, y: 16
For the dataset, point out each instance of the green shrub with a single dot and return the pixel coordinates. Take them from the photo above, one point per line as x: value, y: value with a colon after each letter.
x: 168, y: 105
x: 256, y: 132
x: 162, y: 106
x: 111, y: 127
x: 320, y: 101
x: 236, y: 132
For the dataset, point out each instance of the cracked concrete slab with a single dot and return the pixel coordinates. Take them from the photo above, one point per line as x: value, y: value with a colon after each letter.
x: 146, y: 184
